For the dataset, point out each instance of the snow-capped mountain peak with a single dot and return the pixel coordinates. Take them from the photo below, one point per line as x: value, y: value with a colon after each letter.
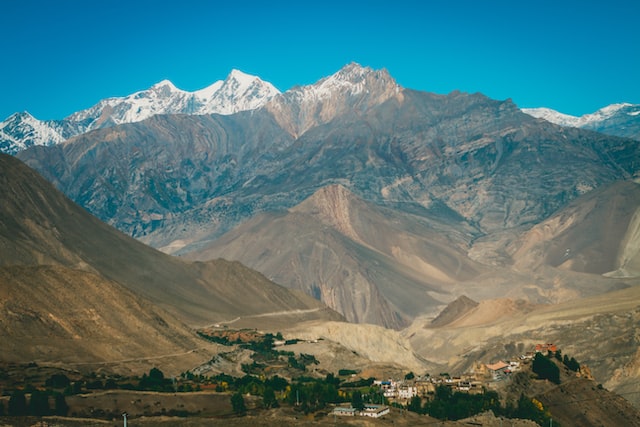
x: 354, y: 78
x: 164, y: 86
x: 165, y: 82
x: 21, y: 131
x: 241, y: 78
x: 237, y: 92
x: 353, y: 88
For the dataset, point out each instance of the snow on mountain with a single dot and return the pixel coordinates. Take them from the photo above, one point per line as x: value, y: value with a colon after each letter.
x: 553, y: 116
x: 21, y: 131
x: 621, y: 119
x: 353, y: 88
x: 238, y: 92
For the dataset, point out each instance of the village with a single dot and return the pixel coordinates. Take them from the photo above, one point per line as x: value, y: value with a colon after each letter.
x: 481, y: 377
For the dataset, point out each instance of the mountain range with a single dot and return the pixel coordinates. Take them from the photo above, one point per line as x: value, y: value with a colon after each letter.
x: 238, y: 92
x: 465, y: 227
x: 400, y: 200
x: 243, y: 92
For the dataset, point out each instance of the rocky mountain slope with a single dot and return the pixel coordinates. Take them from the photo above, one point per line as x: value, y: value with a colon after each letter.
x: 475, y: 170
x: 616, y: 119
x: 66, y: 276
x: 238, y: 92
x: 373, y: 264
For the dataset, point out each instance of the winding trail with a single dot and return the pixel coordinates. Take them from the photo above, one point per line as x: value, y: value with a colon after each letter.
x: 272, y: 314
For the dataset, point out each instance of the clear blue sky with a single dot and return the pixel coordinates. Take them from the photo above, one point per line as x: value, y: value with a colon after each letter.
x: 574, y: 56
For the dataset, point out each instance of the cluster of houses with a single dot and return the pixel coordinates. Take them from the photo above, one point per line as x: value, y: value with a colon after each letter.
x: 481, y: 374
x: 423, y: 386
x: 501, y: 370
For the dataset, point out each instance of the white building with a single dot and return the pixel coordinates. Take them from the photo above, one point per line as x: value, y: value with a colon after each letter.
x: 343, y: 411
x: 407, y: 391
x: 374, y: 411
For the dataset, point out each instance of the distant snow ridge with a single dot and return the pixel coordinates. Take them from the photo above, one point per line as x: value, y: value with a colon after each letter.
x: 587, y: 121
x: 238, y: 92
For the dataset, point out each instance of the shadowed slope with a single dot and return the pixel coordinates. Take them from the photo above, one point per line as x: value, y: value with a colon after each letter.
x: 38, y: 225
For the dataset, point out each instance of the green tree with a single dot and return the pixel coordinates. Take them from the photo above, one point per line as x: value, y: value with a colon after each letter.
x: 409, y: 376
x: 332, y: 379
x: 573, y: 365
x: 39, y: 404
x: 58, y: 381
x: 558, y: 355
x: 269, y: 398
x: 356, y: 400
x: 154, y: 381
x: 17, y: 403
x: 110, y: 384
x: 415, y: 405
x: 545, y: 368
x: 276, y: 383
x: 443, y: 393
x: 61, y: 407
x: 156, y: 374
x: 238, y: 405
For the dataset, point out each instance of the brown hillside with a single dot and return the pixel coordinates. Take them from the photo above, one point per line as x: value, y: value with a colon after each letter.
x: 54, y: 314
x: 372, y: 264
x: 77, y: 291
x: 38, y: 225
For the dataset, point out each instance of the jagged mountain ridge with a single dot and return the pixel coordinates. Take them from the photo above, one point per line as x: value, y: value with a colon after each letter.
x: 21, y: 131
x: 456, y: 158
x: 238, y: 92
x: 616, y: 119
x: 352, y: 89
